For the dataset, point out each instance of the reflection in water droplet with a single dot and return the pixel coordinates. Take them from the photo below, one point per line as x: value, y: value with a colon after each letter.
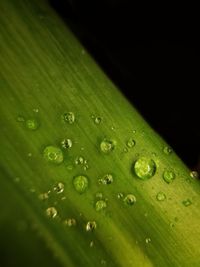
x: 80, y: 183
x: 187, y: 202
x: 59, y: 188
x: 106, y: 179
x: 70, y: 222
x: 51, y: 212
x: 130, y: 143
x: 53, y: 154
x: 66, y: 143
x: 144, y: 168
x: 169, y: 176
x: 106, y: 146
x: 69, y: 117
x: 100, y: 205
x: 130, y: 199
x: 194, y: 174
x: 32, y: 124
x: 160, y: 196
x: 91, y: 226
x: 167, y: 150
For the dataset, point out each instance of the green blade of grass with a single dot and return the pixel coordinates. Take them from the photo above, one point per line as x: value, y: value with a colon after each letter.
x: 45, y: 73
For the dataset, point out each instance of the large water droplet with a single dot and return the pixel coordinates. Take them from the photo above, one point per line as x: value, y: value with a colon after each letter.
x: 130, y: 199
x: 32, y: 124
x: 161, y: 196
x: 106, y: 179
x: 69, y: 117
x: 167, y: 150
x: 66, y: 143
x: 106, y: 146
x: 187, y: 202
x: 100, y: 205
x: 130, y: 143
x: 144, y: 168
x: 59, y: 188
x: 91, y: 226
x: 70, y: 222
x: 51, y: 212
x: 80, y: 183
x: 169, y: 176
x: 194, y: 174
x: 53, y: 154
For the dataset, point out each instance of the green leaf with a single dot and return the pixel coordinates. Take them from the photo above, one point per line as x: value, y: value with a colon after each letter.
x: 134, y: 202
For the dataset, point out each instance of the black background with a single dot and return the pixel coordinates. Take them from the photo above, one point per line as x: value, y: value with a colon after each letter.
x: 150, y: 52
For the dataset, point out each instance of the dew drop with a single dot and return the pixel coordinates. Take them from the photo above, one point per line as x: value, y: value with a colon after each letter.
x: 161, y: 196
x: 169, y: 176
x: 32, y: 124
x: 69, y: 117
x: 130, y: 199
x: 79, y: 160
x: 92, y: 244
x: 120, y: 195
x: 44, y: 196
x: 187, y: 202
x: 80, y: 183
x: 148, y: 240
x: 194, y: 174
x: 106, y: 146
x: 53, y: 154
x: 51, y: 212
x: 59, y: 188
x: 66, y: 143
x: 70, y: 222
x: 97, y: 120
x: 167, y: 150
x: 130, y: 143
x: 91, y: 226
x: 20, y: 119
x: 144, y: 168
x: 99, y: 195
x: 106, y: 179
x: 100, y: 205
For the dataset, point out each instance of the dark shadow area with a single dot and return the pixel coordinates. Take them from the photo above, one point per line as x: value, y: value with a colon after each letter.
x: 154, y: 64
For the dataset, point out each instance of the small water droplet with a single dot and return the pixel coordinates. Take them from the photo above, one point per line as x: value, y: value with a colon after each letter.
x: 194, y: 174
x: 144, y: 168
x: 79, y: 160
x: 161, y: 196
x: 106, y: 146
x: 51, y: 212
x: 130, y: 143
x: 92, y: 244
x: 106, y: 179
x: 125, y: 150
x: 148, y: 240
x: 70, y: 167
x: 100, y: 205
x: 66, y: 143
x: 99, y: 195
x: 187, y: 202
x: 169, y: 176
x: 97, y: 119
x: 29, y: 155
x: 36, y: 110
x: 91, y: 226
x: 32, y: 124
x: 171, y: 224
x: 167, y: 150
x: 59, y: 188
x: 44, y: 196
x: 20, y: 119
x: 53, y: 154
x: 134, y: 131
x: 130, y: 199
x: 103, y: 262
x: 80, y: 183
x: 69, y: 117
x: 70, y: 222
x: 120, y: 195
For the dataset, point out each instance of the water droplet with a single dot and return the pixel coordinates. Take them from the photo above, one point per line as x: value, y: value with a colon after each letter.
x: 79, y: 160
x: 130, y: 199
x: 106, y: 179
x: 169, y: 176
x: 120, y: 195
x: 69, y: 117
x: 194, y: 174
x: 91, y: 226
x: 70, y: 222
x: 161, y: 196
x: 97, y: 120
x: 32, y: 124
x: 107, y: 146
x: 20, y: 119
x: 59, y: 188
x: 148, y: 240
x: 167, y: 150
x: 70, y: 167
x: 187, y: 202
x: 99, y: 195
x: 144, y: 168
x: 103, y: 262
x: 66, y: 143
x: 36, y: 110
x: 53, y: 154
x: 125, y: 150
x: 51, y: 212
x: 44, y: 196
x: 134, y: 131
x: 29, y: 154
x: 130, y: 143
x: 100, y: 205
x: 80, y: 183
x: 92, y: 244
